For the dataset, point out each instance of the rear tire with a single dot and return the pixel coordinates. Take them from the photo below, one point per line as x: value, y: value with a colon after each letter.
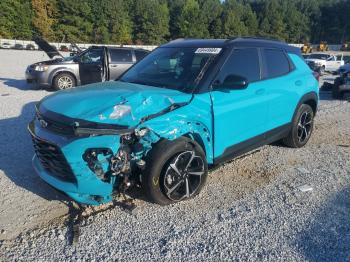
x: 302, y: 127
x: 63, y: 81
x: 175, y: 171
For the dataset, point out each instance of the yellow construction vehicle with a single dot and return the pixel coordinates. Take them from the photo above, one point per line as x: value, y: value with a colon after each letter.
x: 345, y: 47
x: 306, y: 48
x: 323, y: 46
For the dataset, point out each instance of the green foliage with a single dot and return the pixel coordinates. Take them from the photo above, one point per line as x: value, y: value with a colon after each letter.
x: 151, y: 21
x: 15, y: 19
x: 75, y: 22
x: 157, y: 21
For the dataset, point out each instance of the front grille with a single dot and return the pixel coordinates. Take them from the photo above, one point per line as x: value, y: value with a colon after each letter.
x: 53, y: 160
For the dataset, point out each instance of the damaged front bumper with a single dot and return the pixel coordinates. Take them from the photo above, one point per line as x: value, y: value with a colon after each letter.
x: 80, y: 166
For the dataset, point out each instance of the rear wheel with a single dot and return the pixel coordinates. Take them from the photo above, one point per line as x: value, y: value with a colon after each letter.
x: 302, y: 127
x: 176, y: 171
x: 63, y: 81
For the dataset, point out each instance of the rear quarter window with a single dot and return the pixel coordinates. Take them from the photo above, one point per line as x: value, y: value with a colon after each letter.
x: 120, y: 55
x: 275, y: 63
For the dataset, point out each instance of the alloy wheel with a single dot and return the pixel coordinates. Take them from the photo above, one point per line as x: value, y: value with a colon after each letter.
x: 65, y: 82
x: 183, y: 176
x: 304, y: 126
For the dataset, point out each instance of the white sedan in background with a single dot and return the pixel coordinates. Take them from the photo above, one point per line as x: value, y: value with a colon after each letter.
x: 5, y: 46
x: 325, y: 62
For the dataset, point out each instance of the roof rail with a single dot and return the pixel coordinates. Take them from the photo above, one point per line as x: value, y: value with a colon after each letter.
x: 256, y: 38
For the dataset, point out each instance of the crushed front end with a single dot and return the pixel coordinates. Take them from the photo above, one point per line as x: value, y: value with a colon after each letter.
x: 86, y: 160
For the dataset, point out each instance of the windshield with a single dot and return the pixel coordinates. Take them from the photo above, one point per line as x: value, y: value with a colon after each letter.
x: 318, y: 56
x: 174, y: 68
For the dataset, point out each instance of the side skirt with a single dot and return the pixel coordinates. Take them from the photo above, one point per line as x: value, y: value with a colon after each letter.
x: 253, y: 143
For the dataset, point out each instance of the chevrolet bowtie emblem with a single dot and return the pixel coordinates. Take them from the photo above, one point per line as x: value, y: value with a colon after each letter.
x: 43, y: 123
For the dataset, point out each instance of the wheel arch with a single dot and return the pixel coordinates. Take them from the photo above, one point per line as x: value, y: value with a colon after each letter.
x: 310, y: 99
x: 194, y: 131
x: 55, y: 73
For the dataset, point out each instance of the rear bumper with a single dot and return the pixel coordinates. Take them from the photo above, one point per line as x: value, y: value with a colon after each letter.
x: 86, y: 187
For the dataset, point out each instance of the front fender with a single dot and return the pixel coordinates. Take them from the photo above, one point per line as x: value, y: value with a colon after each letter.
x: 175, y: 125
x: 60, y: 69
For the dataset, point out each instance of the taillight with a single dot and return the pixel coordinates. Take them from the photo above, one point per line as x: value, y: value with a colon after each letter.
x: 316, y: 75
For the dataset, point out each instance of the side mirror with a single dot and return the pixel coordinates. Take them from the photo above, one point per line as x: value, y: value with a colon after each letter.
x: 232, y: 82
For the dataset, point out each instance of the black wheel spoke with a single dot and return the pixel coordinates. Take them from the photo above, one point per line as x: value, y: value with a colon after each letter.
x: 183, y: 176
x: 170, y: 190
x: 304, y: 126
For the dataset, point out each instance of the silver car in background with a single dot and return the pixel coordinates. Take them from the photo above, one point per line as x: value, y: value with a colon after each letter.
x: 96, y: 64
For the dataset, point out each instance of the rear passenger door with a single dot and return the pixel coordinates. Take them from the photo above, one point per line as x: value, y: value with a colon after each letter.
x: 283, y: 83
x: 240, y: 114
x: 119, y: 61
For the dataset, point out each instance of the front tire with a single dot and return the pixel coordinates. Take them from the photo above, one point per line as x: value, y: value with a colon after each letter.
x: 64, y: 81
x: 176, y: 171
x: 302, y: 127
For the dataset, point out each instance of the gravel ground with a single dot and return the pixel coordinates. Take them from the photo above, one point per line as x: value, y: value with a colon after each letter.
x: 251, y: 208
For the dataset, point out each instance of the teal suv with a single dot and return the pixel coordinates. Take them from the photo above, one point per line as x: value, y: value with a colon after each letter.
x: 186, y: 107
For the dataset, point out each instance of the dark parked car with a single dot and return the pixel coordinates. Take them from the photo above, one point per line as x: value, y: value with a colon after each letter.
x: 18, y: 47
x: 96, y: 64
x: 30, y: 47
x: 342, y: 83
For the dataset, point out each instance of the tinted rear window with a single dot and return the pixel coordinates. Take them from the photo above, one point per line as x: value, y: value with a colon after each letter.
x: 275, y: 63
x: 140, y: 54
x: 120, y: 56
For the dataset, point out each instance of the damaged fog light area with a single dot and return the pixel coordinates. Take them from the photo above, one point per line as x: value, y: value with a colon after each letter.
x: 98, y: 161
x: 122, y: 168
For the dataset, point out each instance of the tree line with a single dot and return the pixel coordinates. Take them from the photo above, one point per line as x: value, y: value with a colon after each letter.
x: 156, y: 21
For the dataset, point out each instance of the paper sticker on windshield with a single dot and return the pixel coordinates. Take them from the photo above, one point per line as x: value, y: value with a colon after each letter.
x: 208, y: 50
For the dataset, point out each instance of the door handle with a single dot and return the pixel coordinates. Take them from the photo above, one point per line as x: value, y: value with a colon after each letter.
x: 114, y: 65
x: 298, y: 83
x: 260, y: 91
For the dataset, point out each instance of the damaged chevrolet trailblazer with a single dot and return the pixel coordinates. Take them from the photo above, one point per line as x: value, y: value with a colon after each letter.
x: 188, y: 105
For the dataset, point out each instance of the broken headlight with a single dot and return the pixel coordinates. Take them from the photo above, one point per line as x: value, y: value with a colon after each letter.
x: 141, y: 132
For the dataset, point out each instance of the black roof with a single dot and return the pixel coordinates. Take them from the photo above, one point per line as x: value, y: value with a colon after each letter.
x: 239, y: 42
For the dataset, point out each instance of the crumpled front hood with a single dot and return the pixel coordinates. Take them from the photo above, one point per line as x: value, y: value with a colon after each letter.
x: 103, y: 101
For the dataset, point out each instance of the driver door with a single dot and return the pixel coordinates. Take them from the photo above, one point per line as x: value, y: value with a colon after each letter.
x: 239, y: 114
x: 91, y: 67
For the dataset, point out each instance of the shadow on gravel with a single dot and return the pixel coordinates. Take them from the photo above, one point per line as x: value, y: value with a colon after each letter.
x: 16, y: 152
x: 328, y: 236
x: 21, y: 84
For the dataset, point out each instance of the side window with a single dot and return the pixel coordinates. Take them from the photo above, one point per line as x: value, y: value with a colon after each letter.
x: 242, y: 62
x: 140, y: 54
x: 275, y: 63
x: 92, y: 56
x: 120, y: 55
